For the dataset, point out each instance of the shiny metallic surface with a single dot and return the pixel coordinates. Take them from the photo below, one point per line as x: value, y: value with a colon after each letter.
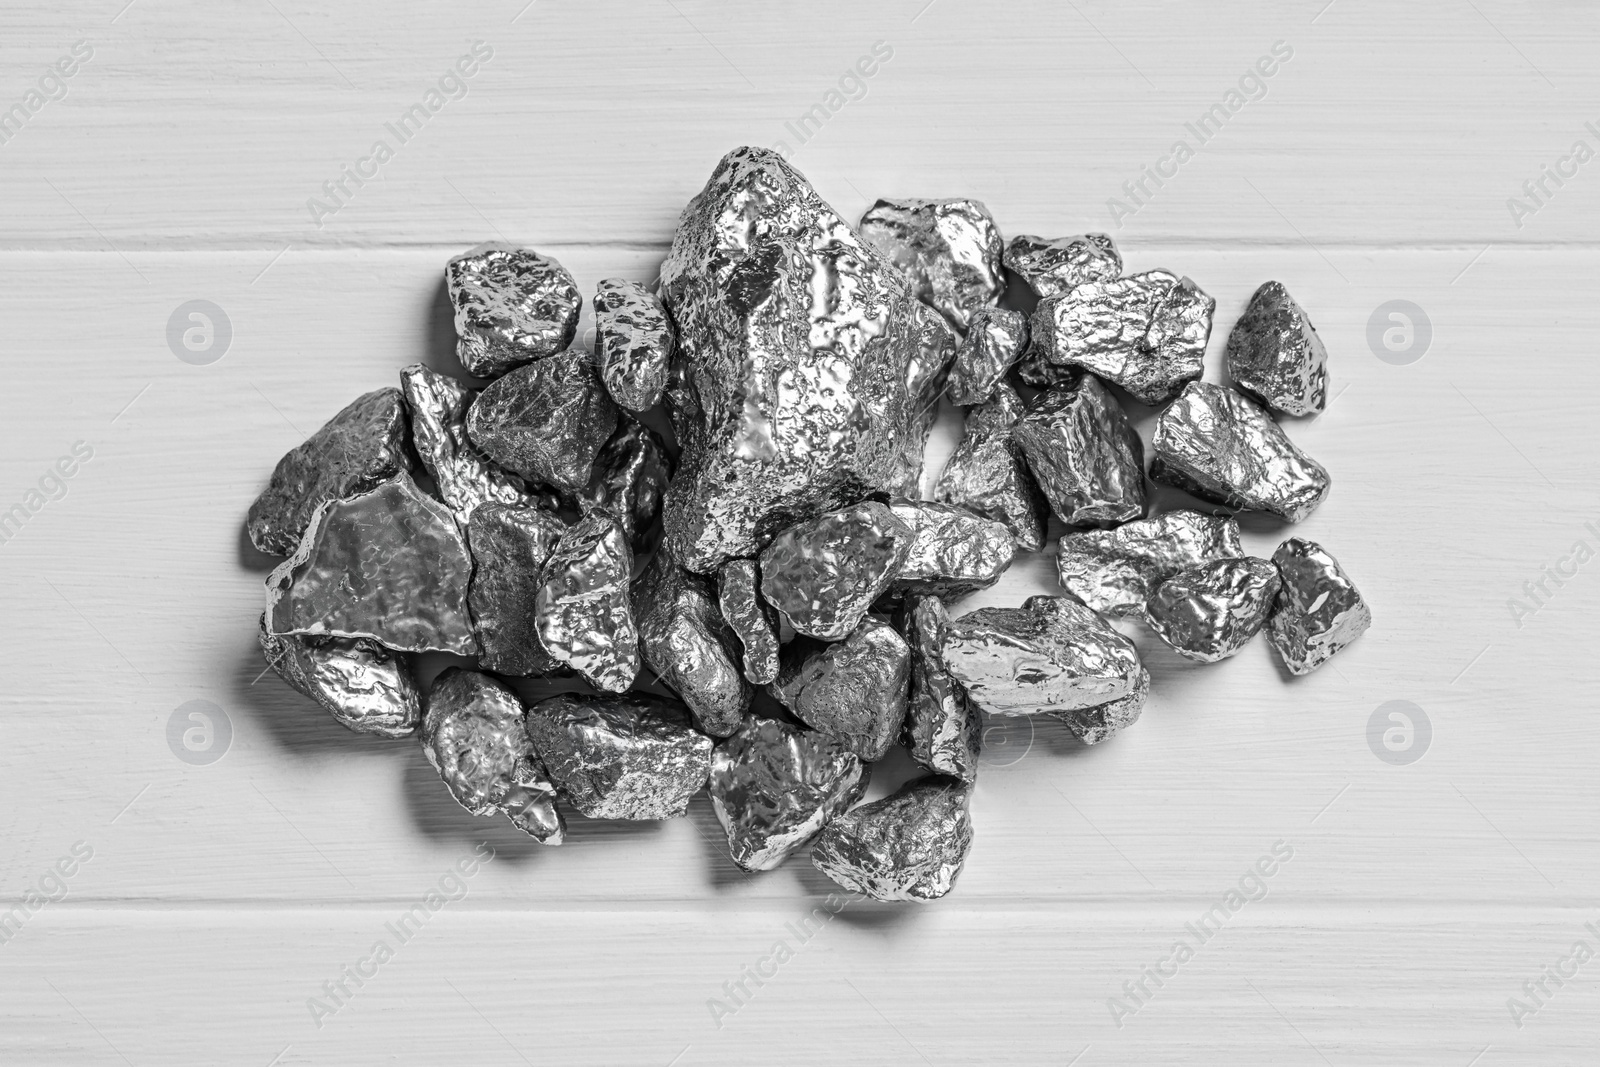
x: 512, y: 305
x: 1319, y: 610
x: 910, y: 845
x: 464, y: 475
x: 1222, y: 446
x: 775, y: 786
x: 362, y: 446
x: 943, y: 729
x: 1209, y: 612
x: 474, y: 735
x: 751, y: 618
x: 1052, y: 654
x: 621, y: 757
x: 390, y: 564
x: 995, y: 340
x: 949, y: 251
x: 1085, y: 455
x: 933, y: 353
x: 363, y: 685
x: 1052, y: 266
x: 633, y: 343
x: 1146, y: 332
x: 793, y: 389
x: 953, y: 551
x: 629, y: 479
x: 1275, y: 356
x: 545, y: 421
x: 823, y: 574
x: 582, y: 610
x: 687, y: 645
x: 1114, y: 571
x: 854, y: 689
x: 1094, y: 725
x: 987, y: 475
x: 510, y: 546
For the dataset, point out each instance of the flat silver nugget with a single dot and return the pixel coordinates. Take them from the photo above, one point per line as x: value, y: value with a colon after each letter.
x: 995, y: 340
x: 474, y: 735
x: 1052, y: 654
x: 464, y: 475
x: 953, y: 551
x: 364, y: 686
x: 988, y: 476
x: 944, y: 730
x: 1052, y: 266
x: 1146, y: 332
x: 546, y: 421
x: 910, y: 845
x: 1222, y: 446
x: 1209, y: 612
x: 629, y: 478
x: 854, y: 689
x: 684, y: 640
x: 633, y: 343
x: 787, y: 402
x: 1114, y: 571
x: 775, y: 786
x: 1319, y: 610
x: 391, y: 565
x: 510, y: 546
x: 512, y: 306
x: 621, y: 757
x: 356, y: 450
x: 949, y: 250
x: 823, y: 574
x: 1275, y: 356
x: 751, y: 617
x: 1085, y: 455
x: 583, y: 613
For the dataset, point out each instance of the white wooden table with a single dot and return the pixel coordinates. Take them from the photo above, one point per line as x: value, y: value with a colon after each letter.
x: 1374, y: 164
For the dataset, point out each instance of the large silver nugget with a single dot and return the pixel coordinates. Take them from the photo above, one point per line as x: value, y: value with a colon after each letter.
x: 473, y: 734
x: 1052, y: 654
x: 1052, y: 266
x: 630, y: 477
x: 1085, y: 455
x: 363, y: 685
x: 854, y: 689
x: 391, y: 564
x: 908, y: 846
x: 987, y: 475
x: 583, y: 614
x: 1208, y: 613
x: 621, y: 757
x: 633, y: 343
x: 943, y: 728
x: 512, y: 306
x: 1146, y: 332
x: 953, y: 551
x: 1319, y: 610
x: 362, y: 446
x: 751, y: 617
x: 1223, y: 446
x: 949, y: 251
x: 510, y: 546
x: 775, y: 786
x: 464, y: 475
x: 790, y: 391
x: 1275, y: 355
x: 823, y: 574
x: 684, y: 640
x: 1114, y: 571
x: 995, y: 340
x: 545, y: 421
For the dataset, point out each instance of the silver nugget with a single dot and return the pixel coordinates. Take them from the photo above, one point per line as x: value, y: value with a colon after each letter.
x: 546, y: 421
x: 628, y: 481
x: 823, y: 574
x: 583, y: 614
x: 988, y: 476
x: 854, y: 689
x: 953, y: 551
x: 1319, y: 610
x: 908, y: 846
x: 1275, y: 356
x: 464, y: 475
x: 510, y: 546
x: 944, y: 730
x: 995, y: 340
x: 1085, y: 455
x: 1114, y: 571
x: 512, y: 306
x: 1209, y: 612
x: 364, y: 686
x: 687, y: 644
x: 633, y: 343
x: 751, y: 617
x: 1052, y: 266
x: 949, y: 251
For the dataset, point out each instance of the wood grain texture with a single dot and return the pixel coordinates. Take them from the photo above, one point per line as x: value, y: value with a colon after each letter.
x: 220, y: 898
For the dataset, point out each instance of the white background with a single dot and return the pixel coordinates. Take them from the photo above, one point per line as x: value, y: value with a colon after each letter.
x: 221, y: 897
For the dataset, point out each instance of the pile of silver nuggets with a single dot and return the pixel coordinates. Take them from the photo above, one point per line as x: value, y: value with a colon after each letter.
x: 801, y: 362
